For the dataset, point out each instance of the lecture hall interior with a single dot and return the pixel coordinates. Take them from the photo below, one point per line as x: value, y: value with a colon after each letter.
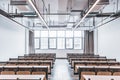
x: 59, y: 39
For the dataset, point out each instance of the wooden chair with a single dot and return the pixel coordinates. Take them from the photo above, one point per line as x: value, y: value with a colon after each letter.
x: 86, y: 73
x: 23, y: 73
x: 2, y: 64
x: 103, y: 65
x: 116, y: 73
x: 103, y: 73
x: 7, y: 73
x: 33, y: 65
x: 76, y: 70
x: 38, y: 73
x: 91, y: 64
x: 10, y: 65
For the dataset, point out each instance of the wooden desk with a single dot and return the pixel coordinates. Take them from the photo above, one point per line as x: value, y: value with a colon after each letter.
x: 28, y: 62
x: 90, y: 58
x: 24, y: 68
x: 77, y: 64
x: 101, y: 77
x: 96, y: 67
x: 29, y: 59
x: 27, y: 77
x: 92, y: 62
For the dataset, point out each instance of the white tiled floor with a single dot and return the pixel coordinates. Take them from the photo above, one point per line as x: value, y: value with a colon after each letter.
x: 61, y: 70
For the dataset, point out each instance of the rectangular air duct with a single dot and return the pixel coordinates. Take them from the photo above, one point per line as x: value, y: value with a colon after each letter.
x: 18, y: 2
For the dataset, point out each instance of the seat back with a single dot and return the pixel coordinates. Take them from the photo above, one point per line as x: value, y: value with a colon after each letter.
x: 103, y: 73
x: 86, y: 73
x: 23, y: 73
x: 38, y: 73
x: 116, y: 73
x: 7, y: 73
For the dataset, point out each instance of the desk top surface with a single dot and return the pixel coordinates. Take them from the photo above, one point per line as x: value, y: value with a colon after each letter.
x: 22, y: 76
x: 116, y: 67
x: 24, y: 66
x: 101, y: 77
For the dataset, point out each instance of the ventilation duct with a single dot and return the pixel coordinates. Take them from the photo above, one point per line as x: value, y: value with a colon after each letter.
x: 18, y: 2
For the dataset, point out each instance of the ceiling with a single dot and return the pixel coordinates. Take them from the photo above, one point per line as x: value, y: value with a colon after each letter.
x: 57, y: 13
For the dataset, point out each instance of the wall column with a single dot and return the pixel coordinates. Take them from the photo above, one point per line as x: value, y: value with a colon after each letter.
x: 89, y: 42
x: 31, y: 42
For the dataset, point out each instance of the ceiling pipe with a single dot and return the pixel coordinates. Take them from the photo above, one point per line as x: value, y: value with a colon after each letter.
x: 86, y: 14
x: 38, y: 13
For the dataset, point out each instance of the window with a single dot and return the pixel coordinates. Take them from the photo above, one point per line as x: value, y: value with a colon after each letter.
x: 44, y: 33
x: 77, y: 43
x: 58, y: 39
x: 77, y: 34
x: 69, y: 33
x: 60, y: 43
x: 60, y: 33
x: 69, y: 43
x: 37, y: 33
x: 52, y: 33
x: 37, y: 43
x: 52, y: 43
x: 44, y: 43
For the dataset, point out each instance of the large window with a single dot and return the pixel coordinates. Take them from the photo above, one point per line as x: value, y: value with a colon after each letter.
x: 52, y: 43
x: 58, y: 39
x: 52, y: 34
x: 44, y: 33
x: 44, y: 43
x: 37, y: 43
x: 60, y: 43
x: 69, y: 33
x: 60, y: 33
x: 69, y: 43
x: 77, y: 43
x: 37, y: 33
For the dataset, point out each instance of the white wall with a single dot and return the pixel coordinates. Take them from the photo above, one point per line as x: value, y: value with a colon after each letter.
x: 109, y: 40
x: 12, y: 39
x: 60, y: 53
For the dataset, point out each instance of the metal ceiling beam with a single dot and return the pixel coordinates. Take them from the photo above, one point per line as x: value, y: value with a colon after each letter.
x: 38, y: 13
x: 5, y: 14
x: 10, y: 17
x: 14, y: 2
x: 33, y: 13
x: 91, y: 8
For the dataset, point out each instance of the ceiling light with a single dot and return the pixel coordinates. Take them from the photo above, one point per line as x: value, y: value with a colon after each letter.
x: 38, y: 13
x: 86, y: 14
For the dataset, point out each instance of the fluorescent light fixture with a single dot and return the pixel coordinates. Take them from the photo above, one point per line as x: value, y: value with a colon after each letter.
x: 38, y: 13
x: 86, y: 14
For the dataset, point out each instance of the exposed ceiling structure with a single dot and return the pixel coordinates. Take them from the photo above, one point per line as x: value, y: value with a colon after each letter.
x: 61, y: 13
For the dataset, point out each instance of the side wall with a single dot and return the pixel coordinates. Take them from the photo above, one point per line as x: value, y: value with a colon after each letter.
x: 12, y: 39
x: 109, y: 39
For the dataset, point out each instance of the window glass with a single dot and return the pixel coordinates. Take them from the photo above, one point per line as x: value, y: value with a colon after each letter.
x: 60, y: 33
x: 37, y: 33
x: 69, y: 43
x: 44, y: 33
x: 52, y: 33
x: 60, y: 43
x: 77, y: 43
x: 44, y: 43
x: 52, y: 43
x: 37, y: 43
x: 69, y: 33
x: 77, y: 34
